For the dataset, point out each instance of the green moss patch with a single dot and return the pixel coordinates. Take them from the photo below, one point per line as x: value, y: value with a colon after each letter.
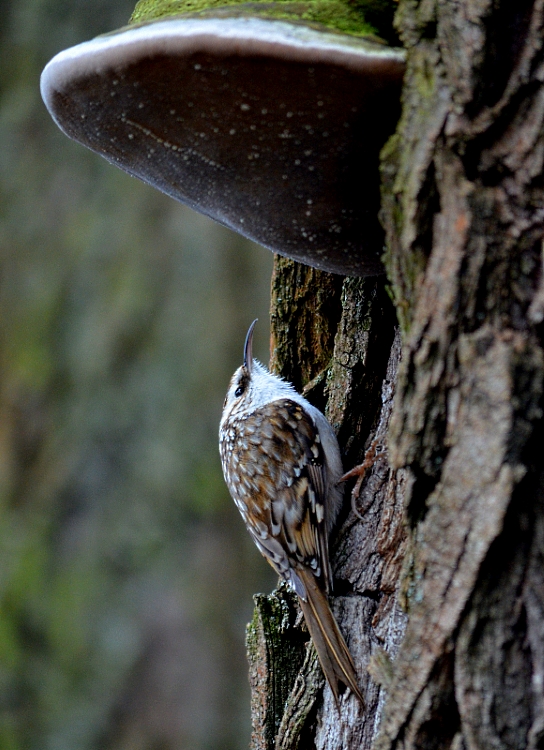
x: 366, y: 18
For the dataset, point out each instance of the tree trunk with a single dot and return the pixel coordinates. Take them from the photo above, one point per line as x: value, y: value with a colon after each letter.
x: 337, y: 340
x: 439, y: 582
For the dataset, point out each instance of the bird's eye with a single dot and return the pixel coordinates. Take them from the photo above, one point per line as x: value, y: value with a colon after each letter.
x: 238, y: 392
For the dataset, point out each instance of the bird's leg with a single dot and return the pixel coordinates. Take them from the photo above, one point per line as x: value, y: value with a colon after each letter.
x: 359, y: 471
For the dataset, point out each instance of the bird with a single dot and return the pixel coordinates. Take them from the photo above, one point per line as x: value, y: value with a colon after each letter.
x: 281, y: 462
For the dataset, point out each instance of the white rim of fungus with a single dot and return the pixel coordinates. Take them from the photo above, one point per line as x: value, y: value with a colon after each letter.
x: 222, y: 36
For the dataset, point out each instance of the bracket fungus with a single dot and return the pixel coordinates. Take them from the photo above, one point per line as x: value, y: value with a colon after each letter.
x: 259, y: 115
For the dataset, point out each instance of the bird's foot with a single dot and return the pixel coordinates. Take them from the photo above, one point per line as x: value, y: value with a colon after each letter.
x: 371, y: 456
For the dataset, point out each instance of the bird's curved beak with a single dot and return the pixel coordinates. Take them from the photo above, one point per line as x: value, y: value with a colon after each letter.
x: 248, y: 348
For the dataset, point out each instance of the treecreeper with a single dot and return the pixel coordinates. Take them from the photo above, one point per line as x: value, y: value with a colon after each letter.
x: 282, y: 465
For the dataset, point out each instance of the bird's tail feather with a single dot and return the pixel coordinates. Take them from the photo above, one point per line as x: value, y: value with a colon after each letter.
x: 335, y: 658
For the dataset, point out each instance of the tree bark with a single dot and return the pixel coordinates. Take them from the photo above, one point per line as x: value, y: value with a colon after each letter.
x: 439, y: 585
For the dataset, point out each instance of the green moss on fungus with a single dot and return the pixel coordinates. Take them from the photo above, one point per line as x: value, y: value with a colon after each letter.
x: 366, y: 18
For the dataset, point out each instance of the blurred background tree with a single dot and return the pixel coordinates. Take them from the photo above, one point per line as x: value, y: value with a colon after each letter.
x: 126, y: 574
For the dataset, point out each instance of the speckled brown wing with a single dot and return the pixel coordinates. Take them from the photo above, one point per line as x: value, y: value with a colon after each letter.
x: 275, y: 469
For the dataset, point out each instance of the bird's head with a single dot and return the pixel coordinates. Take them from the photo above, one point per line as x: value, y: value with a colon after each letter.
x: 238, y: 395
x: 252, y: 385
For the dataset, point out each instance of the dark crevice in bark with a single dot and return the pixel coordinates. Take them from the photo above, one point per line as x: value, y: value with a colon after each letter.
x: 473, y: 151
x: 506, y: 32
x: 374, y: 596
x: 428, y: 30
x: 379, y: 13
x: 439, y: 722
x: 428, y: 207
x: 422, y: 487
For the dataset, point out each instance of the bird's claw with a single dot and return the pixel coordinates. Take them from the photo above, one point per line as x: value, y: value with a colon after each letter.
x: 359, y: 471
